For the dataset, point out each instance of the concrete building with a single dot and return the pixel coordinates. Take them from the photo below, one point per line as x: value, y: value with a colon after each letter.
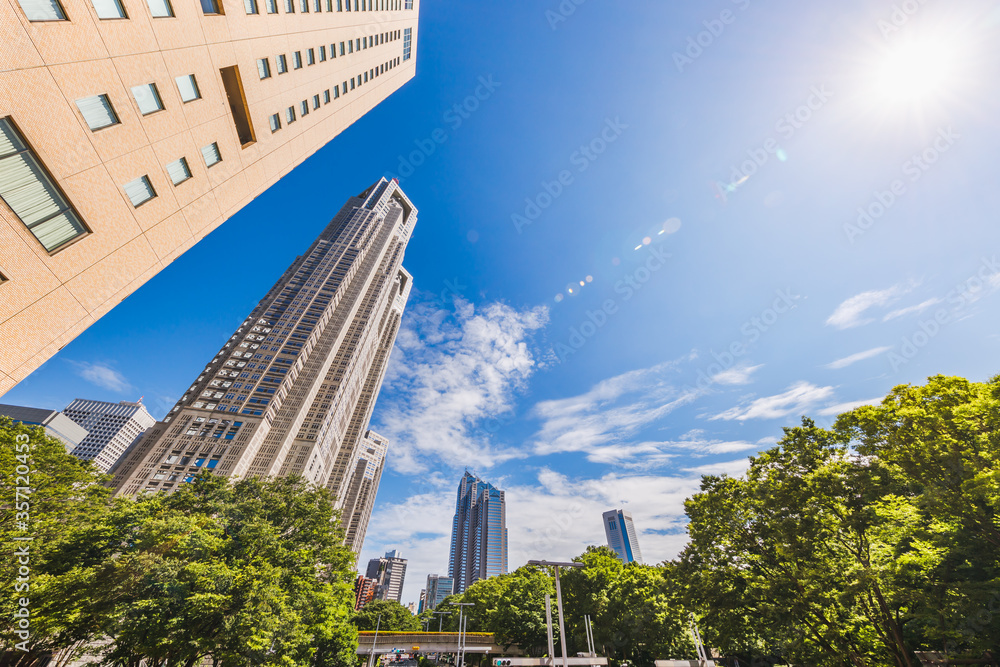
x: 364, y: 591
x: 130, y: 129
x: 620, y: 531
x: 361, y: 487
x: 389, y: 572
x: 292, y: 391
x: 478, y: 533
x: 438, y: 588
x: 112, y: 428
x: 56, y: 424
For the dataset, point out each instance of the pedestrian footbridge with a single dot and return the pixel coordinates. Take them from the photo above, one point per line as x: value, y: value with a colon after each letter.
x: 426, y: 642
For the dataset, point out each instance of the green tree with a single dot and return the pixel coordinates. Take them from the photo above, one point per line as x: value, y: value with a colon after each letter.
x: 394, y: 617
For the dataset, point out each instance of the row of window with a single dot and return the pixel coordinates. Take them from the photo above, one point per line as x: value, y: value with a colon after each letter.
x: 98, y: 112
x: 52, y: 10
x: 140, y: 190
x: 347, y: 47
x: 291, y: 113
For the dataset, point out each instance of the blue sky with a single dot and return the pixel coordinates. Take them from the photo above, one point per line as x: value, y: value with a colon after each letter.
x: 706, y: 166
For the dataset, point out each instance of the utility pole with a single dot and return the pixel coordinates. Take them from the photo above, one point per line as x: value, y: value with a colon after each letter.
x: 559, y: 605
x: 441, y: 614
x: 462, y: 619
x: 378, y: 624
x: 548, y: 627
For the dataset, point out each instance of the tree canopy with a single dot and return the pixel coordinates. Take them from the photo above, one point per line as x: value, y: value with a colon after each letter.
x: 388, y: 616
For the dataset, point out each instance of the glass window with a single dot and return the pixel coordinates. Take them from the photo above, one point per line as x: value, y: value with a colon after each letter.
x: 109, y: 9
x: 147, y: 98
x: 336, y: 90
x: 290, y: 114
x: 322, y: 53
x: 211, y: 7
x: 310, y: 56
x: 28, y: 189
x: 97, y: 112
x: 341, y: 48
x: 317, y: 6
x: 315, y: 101
x: 304, y: 106
x: 305, y: 6
x: 409, y: 4
x: 340, y: 5
x: 282, y: 63
x: 188, y: 87
x: 250, y: 6
x: 275, y: 122
x: 179, y: 171
x: 272, y: 6
x: 42, y: 10
x: 211, y: 154
x: 160, y: 8
x: 407, y: 34
x: 289, y: 6
x: 263, y: 68
x: 326, y: 96
x: 297, y: 60
x: 139, y: 191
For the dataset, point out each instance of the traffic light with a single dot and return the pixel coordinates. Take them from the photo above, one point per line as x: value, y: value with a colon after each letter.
x: 501, y: 662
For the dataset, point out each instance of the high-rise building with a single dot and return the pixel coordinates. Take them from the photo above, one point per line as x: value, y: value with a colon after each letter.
x: 364, y: 591
x: 620, y: 530
x: 478, y: 533
x: 438, y: 588
x: 361, y: 487
x: 389, y: 573
x: 55, y: 423
x: 112, y: 428
x: 292, y: 391
x: 130, y: 129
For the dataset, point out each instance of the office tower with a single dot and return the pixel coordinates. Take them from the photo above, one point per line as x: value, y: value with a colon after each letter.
x: 388, y: 573
x: 111, y: 427
x: 478, y: 533
x: 362, y: 485
x: 438, y: 588
x: 620, y: 529
x: 420, y: 605
x: 292, y: 391
x: 55, y: 423
x: 130, y: 129
x: 364, y: 591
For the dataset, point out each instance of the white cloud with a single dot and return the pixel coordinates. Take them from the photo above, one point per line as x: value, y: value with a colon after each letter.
x: 911, y: 310
x: 847, y: 407
x: 860, y: 356
x: 799, y: 398
x: 102, y: 375
x: 736, y: 375
x: 731, y: 468
x: 450, y: 372
x: 849, y: 313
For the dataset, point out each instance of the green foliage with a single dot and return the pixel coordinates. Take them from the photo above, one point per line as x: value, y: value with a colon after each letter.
x: 394, y: 617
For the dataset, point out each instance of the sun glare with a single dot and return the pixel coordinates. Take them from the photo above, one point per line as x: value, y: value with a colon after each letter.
x: 916, y: 71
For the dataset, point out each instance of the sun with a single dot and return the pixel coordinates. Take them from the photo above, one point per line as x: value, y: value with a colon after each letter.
x: 915, y: 71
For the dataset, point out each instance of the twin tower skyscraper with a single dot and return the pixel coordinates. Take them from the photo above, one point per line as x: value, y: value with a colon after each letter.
x: 293, y: 389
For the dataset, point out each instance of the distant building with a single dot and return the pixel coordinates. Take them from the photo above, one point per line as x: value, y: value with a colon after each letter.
x: 620, y: 529
x: 56, y: 424
x: 478, y: 533
x: 438, y: 588
x: 412, y: 607
x: 364, y: 591
x: 365, y: 469
x: 388, y: 573
x: 420, y: 606
x: 112, y: 429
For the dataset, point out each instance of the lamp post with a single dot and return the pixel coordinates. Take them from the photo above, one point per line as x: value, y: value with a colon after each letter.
x: 378, y: 624
x: 442, y: 614
x: 562, y: 625
x: 461, y: 631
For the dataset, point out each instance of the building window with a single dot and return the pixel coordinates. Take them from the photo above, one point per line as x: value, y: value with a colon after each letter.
x: 139, y: 191
x: 188, y: 88
x: 233, y: 85
x: 322, y: 54
x: 147, y: 98
x: 109, y: 9
x: 326, y: 96
x: 315, y: 101
x: 408, y: 5
x: 317, y: 6
x: 350, y: 46
x: 352, y: 83
x: 289, y: 6
x: 310, y: 57
x: 275, y: 122
x: 97, y: 112
x: 250, y: 6
x: 304, y: 106
x: 341, y: 48
x: 297, y: 60
x: 336, y: 90
x: 211, y: 7
x: 211, y: 154
x: 272, y: 6
x: 263, y: 68
x: 407, y: 35
x: 28, y: 189
x: 290, y: 115
x: 178, y: 171
x: 160, y: 8
x: 305, y: 6
x: 42, y: 10
x: 282, y: 63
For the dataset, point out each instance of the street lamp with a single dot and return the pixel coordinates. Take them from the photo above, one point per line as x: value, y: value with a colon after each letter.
x: 461, y: 631
x: 442, y: 614
x: 562, y: 626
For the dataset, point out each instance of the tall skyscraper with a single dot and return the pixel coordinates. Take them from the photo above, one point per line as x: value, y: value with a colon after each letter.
x: 478, y: 533
x: 111, y: 427
x: 292, y: 391
x: 130, y: 129
x: 438, y: 588
x: 620, y: 529
x: 389, y: 572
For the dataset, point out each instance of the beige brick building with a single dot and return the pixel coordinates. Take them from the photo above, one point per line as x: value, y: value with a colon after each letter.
x: 130, y: 129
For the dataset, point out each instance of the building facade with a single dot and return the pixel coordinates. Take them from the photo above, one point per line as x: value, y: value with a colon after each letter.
x: 389, y: 572
x: 130, y: 129
x: 478, y: 534
x: 361, y: 486
x: 292, y: 391
x: 364, y: 591
x: 622, y: 537
x: 112, y: 428
x: 55, y: 423
x: 438, y: 588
